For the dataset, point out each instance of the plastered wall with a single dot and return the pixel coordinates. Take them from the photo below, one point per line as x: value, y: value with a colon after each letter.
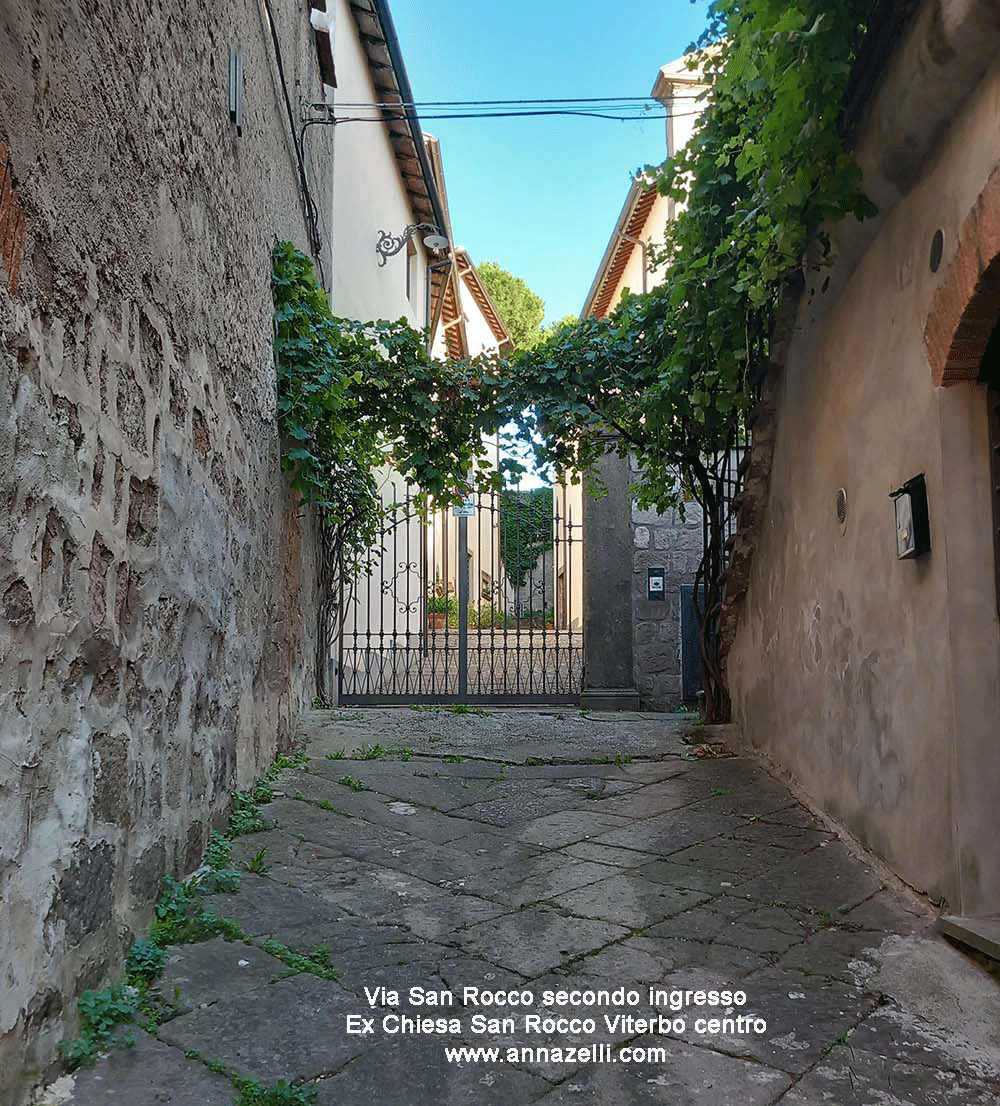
x: 156, y: 579
x: 875, y: 682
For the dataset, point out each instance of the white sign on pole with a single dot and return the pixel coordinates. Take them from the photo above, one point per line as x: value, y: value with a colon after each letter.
x: 465, y: 509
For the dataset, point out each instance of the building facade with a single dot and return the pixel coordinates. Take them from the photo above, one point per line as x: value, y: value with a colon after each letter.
x: 870, y: 678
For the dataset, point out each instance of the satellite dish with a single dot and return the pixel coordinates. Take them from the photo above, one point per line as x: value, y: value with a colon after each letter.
x: 436, y: 242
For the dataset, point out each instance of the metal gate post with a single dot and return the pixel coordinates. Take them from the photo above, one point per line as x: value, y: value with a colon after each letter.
x: 463, y: 607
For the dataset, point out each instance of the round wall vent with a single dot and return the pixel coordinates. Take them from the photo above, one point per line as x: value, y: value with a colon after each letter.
x: 841, y: 506
x: 937, y: 250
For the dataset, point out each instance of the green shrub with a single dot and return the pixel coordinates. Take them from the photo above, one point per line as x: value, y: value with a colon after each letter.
x: 144, y: 962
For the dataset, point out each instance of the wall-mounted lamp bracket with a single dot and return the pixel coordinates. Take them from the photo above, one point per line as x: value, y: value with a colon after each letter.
x: 390, y: 244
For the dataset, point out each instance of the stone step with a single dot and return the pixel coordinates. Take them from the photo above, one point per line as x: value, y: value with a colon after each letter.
x: 982, y: 934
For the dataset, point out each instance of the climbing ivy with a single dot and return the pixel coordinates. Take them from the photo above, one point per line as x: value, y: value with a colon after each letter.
x: 763, y: 177
x: 525, y: 531
x: 670, y: 375
x: 354, y: 396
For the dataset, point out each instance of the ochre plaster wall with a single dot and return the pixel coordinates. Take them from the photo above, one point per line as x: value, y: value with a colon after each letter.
x: 156, y: 579
x: 876, y: 682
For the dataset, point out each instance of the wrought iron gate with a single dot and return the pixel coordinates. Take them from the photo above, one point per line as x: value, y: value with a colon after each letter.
x: 451, y: 612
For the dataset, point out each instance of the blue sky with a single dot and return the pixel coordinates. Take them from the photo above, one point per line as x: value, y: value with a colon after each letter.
x: 540, y: 196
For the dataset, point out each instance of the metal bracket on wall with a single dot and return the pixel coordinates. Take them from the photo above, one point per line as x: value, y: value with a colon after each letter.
x: 236, y: 88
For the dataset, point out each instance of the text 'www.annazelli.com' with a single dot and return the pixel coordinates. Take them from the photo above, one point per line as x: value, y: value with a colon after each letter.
x: 556, y: 1054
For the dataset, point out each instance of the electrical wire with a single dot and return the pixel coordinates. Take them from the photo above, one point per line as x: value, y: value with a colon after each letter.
x: 385, y: 116
x: 309, y: 210
x: 507, y: 103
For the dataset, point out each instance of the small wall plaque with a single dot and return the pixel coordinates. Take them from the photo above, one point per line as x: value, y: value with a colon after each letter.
x: 913, y: 529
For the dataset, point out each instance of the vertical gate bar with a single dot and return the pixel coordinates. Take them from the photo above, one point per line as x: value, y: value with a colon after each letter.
x: 554, y: 520
x: 440, y: 542
x: 341, y: 637
x: 449, y: 638
x: 431, y: 584
x: 407, y: 608
x: 463, y: 607
x: 507, y: 590
x: 369, y: 614
x: 576, y: 686
x: 426, y: 558
x: 498, y: 589
x: 531, y: 607
x: 477, y: 583
x: 394, y: 589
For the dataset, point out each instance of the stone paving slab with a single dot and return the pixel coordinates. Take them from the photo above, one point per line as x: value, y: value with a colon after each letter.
x: 197, y: 975
x: 828, y: 880
x: 291, y: 1030
x: 521, y: 850
x: 416, y: 1072
x: 685, y: 1076
x: 537, y: 939
x: 629, y: 900
x: 263, y: 908
x: 148, y: 1072
x: 852, y: 1077
x: 806, y: 1017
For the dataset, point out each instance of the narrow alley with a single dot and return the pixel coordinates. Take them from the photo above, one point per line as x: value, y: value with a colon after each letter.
x: 461, y: 852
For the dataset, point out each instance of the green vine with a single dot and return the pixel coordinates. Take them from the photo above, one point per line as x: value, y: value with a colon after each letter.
x: 525, y: 531
x: 669, y: 376
x: 353, y: 397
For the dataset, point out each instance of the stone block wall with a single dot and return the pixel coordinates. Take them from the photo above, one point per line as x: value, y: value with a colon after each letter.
x: 673, y: 544
x: 156, y: 577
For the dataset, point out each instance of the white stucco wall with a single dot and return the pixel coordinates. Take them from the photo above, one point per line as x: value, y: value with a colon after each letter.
x: 368, y: 197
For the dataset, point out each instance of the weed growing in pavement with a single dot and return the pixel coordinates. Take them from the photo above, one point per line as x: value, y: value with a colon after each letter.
x: 451, y: 708
x: 325, y: 804
x: 218, y: 852
x: 144, y: 962
x: 453, y: 758
x: 534, y: 762
x: 718, y: 792
x: 369, y: 752
x: 245, y: 816
x: 406, y: 753
x: 840, y: 1039
x: 100, y: 1012
x: 352, y: 783
x: 258, y: 863
x: 252, y: 1093
x: 316, y: 962
x: 181, y: 917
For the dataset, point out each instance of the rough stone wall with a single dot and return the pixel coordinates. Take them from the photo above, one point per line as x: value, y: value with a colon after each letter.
x: 675, y: 545
x: 156, y: 580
